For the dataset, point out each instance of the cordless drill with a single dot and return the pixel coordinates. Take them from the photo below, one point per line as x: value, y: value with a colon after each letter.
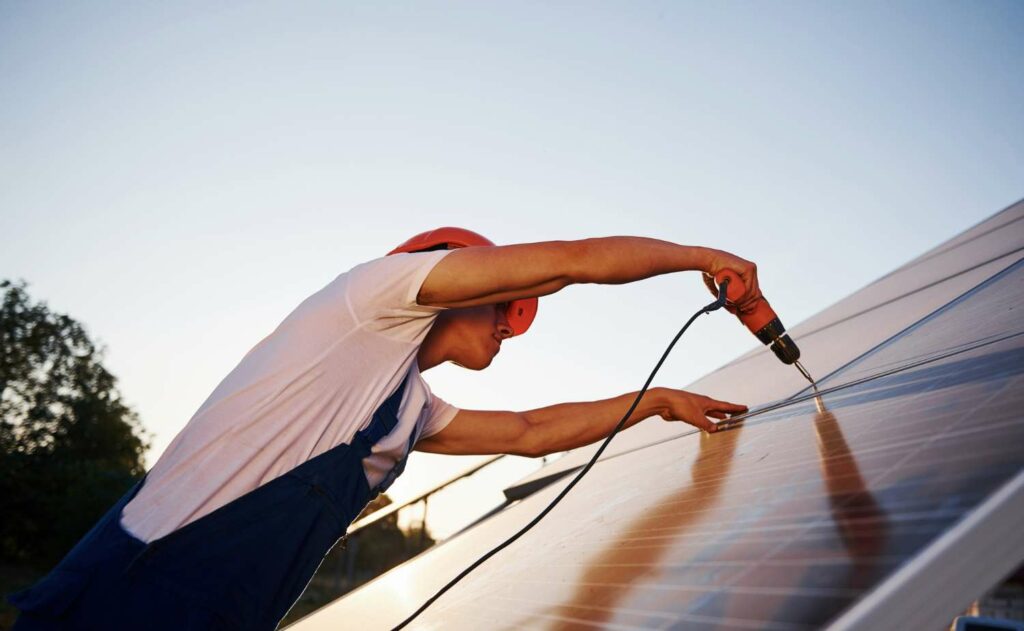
x: 762, y: 321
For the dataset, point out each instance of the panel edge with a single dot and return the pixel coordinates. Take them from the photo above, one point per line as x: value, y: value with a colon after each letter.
x: 942, y: 580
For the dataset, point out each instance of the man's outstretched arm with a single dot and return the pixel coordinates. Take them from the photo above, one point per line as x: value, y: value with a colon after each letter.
x: 569, y: 425
x: 489, y: 275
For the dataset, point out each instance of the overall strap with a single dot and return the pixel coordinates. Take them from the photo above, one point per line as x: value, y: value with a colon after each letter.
x: 399, y: 466
x: 385, y: 419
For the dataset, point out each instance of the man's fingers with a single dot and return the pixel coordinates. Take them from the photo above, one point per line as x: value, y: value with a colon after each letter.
x: 695, y: 409
x: 725, y: 406
x: 750, y: 301
x: 750, y: 280
x: 753, y: 289
x: 706, y: 425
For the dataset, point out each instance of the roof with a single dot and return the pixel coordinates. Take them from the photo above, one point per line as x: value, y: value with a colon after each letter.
x: 890, y: 502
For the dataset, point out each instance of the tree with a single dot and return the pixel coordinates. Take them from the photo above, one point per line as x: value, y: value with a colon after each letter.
x: 69, y: 445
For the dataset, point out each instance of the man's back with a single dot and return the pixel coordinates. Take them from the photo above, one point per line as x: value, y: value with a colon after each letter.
x: 306, y: 387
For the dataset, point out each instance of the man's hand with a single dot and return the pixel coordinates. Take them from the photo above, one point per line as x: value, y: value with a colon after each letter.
x: 719, y: 260
x: 679, y: 405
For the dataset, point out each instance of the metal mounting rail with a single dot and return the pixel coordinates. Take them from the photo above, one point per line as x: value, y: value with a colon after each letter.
x: 390, y: 509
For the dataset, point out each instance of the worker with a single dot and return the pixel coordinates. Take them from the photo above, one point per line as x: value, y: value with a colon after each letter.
x: 228, y: 527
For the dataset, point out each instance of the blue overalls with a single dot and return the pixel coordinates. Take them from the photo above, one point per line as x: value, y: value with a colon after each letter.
x: 238, y: 567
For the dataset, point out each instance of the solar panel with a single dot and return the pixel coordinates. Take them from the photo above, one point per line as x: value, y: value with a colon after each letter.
x: 848, y: 509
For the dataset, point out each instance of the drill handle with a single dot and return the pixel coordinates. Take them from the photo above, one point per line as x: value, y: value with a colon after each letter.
x: 731, y: 283
x: 756, y: 315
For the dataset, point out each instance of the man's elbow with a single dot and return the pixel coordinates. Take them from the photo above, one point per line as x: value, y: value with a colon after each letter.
x: 531, y: 450
x: 531, y: 443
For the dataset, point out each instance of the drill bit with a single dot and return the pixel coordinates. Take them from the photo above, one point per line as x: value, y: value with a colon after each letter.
x: 803, y: 371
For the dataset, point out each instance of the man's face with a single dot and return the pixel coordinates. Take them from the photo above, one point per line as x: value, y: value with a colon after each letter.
x: 479, y: 333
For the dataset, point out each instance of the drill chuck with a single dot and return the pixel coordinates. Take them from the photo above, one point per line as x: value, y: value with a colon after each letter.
x: 774, y: 336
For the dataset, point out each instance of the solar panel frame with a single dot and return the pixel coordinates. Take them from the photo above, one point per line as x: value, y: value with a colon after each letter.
x: 902, y: 602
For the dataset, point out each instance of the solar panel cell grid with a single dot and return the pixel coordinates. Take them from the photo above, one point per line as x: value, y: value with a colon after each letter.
x: 1007, y: 217
x: 759, y: 526
x: 916, y: 277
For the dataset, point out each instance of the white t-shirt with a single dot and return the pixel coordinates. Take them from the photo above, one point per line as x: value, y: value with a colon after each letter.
x: 305, y: 388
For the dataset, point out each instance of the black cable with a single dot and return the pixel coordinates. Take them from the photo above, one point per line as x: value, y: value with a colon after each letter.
x: 707, y: 309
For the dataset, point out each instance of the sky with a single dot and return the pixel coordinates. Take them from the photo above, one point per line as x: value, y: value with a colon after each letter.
x: 179, y: 176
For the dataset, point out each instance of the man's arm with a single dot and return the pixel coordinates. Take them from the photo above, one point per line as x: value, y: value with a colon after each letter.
x: 488, y: 275
x: 569, y: 425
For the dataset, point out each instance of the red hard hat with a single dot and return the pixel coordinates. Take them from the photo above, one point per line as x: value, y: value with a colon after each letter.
x: 520, y: 312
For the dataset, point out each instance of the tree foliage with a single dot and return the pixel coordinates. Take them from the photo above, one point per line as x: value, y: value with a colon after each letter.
x: 69, y: 445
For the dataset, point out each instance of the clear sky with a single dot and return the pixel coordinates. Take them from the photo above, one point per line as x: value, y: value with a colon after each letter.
x: 179, y: 176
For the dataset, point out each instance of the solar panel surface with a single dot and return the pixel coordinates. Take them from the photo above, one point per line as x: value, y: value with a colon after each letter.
x: 785, y: 520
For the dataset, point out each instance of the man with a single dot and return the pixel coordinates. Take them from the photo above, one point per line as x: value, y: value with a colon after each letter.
x: 230, y: 524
